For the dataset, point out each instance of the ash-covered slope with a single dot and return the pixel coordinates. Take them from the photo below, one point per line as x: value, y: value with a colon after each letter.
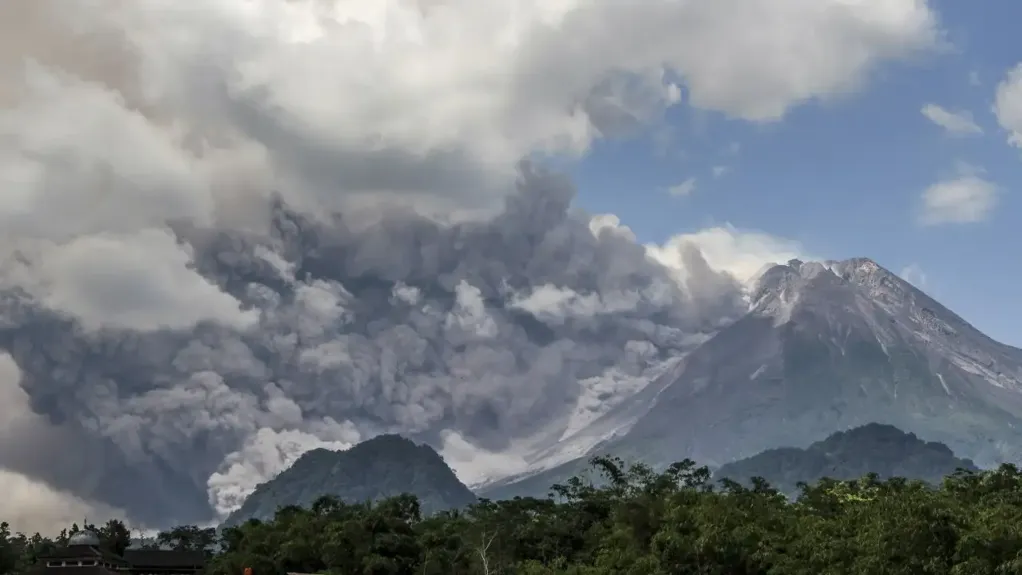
x: 385, y: 466
x: 831, y: 346
x: 825, y: 347
x: 872, y: 448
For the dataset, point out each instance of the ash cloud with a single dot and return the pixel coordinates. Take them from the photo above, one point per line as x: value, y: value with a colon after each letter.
x: 27, y: 503
x: 214, y: 255
x: 493, y: 329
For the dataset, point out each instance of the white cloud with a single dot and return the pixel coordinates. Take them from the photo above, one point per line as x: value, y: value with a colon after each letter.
x: 719, y: 171
x: 119, y: 117
x: 683, y: 189
x: 554, y: 304
x: 469, y: 318
x: 1008, y: 105
x: 414, y: 96
x: 141, y: 281
x: 961, y: 200
x: 474, y: 465
x: 609, y: 223
x: 741, y: 253
x: 958, y: 123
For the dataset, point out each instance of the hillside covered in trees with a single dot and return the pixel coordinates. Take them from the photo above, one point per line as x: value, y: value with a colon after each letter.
x: 872, y: 448
x: 638, y: 522
x: 382, y: 467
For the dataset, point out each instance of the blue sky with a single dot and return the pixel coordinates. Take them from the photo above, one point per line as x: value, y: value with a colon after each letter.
x: 844, y: 177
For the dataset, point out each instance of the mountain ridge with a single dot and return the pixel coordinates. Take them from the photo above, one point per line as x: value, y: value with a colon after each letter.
x: 875, y: 448
x: 384, y: 466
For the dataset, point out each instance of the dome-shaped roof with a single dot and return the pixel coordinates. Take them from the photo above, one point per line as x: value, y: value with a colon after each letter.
x: 84, y: 537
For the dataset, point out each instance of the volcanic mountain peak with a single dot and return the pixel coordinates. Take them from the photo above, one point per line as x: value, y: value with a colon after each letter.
x: 858, y: 296
x: 862, y: 272
x: 779, y: 288
x: 884, y: 287
x: 856, y: 285
x: 832, y: 344
x: 859, y: 267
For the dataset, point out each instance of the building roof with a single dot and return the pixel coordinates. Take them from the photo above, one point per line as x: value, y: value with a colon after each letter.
x: 164, y: 558
x: 72, y: 553
x: 159, y: 558
x: 81, y: 552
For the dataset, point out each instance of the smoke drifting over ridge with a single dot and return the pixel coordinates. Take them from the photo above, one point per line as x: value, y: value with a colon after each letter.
x: 232, y: 234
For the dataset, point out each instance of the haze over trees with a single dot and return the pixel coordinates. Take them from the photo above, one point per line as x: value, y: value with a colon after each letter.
x: 636, y: 522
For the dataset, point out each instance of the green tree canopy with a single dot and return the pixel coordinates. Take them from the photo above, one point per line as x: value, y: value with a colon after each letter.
x: 630, y: 520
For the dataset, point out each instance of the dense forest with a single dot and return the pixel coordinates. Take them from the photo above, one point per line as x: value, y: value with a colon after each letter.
x: 635, y: 521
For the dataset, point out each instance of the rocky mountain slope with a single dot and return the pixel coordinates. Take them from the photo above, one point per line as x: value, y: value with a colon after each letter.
x: 825, y: 346
x: 873, y: 448
x: 384, y: 466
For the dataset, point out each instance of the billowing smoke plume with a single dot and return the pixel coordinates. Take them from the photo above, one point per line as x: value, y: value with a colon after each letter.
x: 235, y: 231
x: 481, y: 329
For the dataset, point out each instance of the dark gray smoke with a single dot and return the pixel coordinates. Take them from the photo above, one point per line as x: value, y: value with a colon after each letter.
x: 481, y: 328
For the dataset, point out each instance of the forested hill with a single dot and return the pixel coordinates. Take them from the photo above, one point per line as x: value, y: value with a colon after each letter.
x: 873, y: 448
x: 385, y: 466
x: 640, y: 523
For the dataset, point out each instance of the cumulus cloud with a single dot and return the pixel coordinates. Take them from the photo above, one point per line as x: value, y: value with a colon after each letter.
x: 142, y: 281
x: 957, y: 123
x: 235, y: 233
x: 742, y: 254
x: 415, y: 108
x: 962, y: 200
x: 1008, y: 105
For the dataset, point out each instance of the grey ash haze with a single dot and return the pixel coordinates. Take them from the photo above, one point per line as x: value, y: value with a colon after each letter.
x: 468, y: 332
x: 204, y: 270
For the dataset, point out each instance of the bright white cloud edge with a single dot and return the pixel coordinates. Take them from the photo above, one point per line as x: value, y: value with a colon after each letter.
x: 965, y: 199
x: 1007, y: 106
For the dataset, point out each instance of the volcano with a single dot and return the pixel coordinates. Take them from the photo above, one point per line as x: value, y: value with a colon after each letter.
x: 824, y: 347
